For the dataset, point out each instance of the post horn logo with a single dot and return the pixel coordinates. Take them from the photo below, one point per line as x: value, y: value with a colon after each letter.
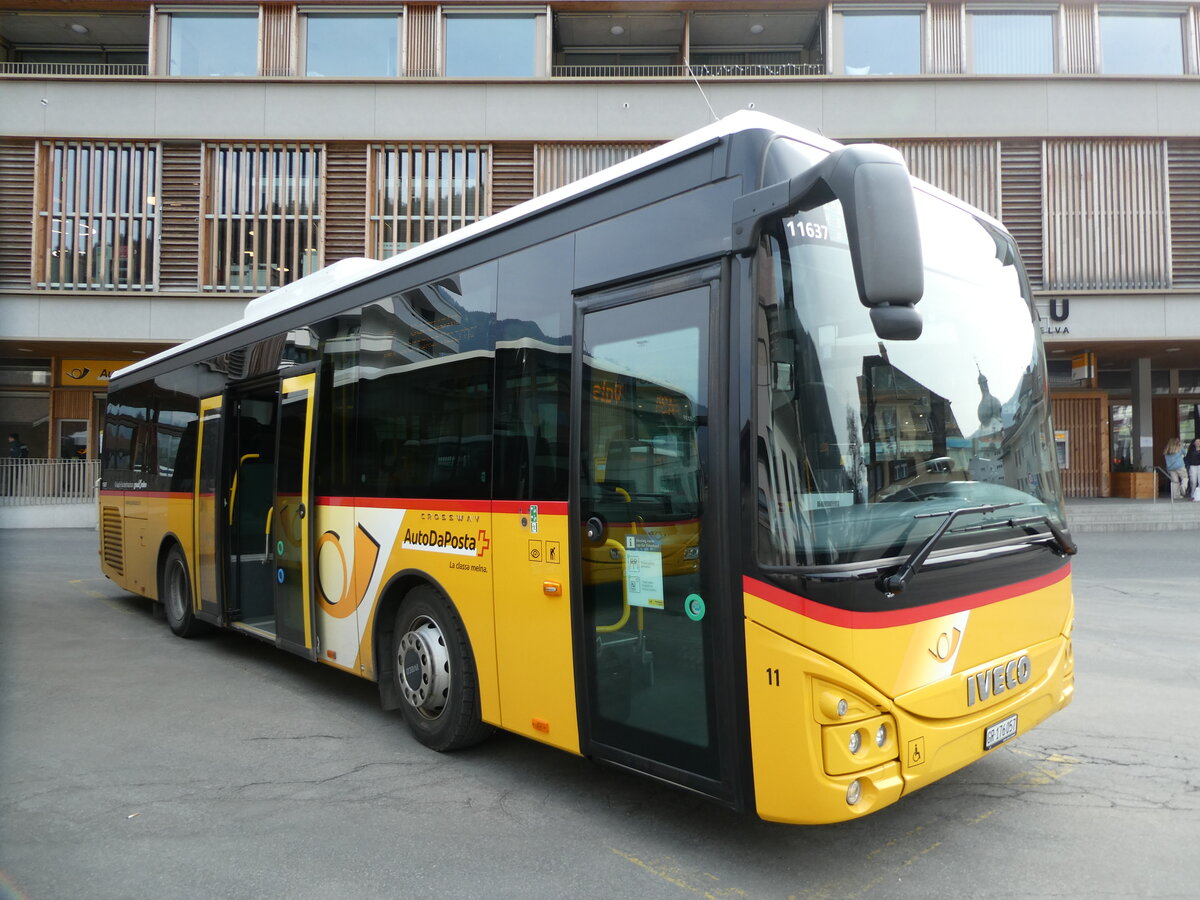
x: 946, y: 645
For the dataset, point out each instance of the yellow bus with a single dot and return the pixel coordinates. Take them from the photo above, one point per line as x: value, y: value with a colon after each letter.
x: 731, y: 465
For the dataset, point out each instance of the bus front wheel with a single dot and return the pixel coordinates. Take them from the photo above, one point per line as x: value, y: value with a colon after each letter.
x: 175, y: 591
x: 435, y: 674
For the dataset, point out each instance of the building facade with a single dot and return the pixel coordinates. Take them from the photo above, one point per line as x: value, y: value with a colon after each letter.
x: 163, y: 163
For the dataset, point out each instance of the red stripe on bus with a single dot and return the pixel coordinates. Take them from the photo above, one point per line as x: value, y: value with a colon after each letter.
x: 168, y: 495
x: 844, y: 618
x: 521, y: 507
x: 471, y: 506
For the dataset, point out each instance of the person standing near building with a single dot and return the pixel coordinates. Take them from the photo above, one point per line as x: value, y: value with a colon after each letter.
x: 1191, y: 459
x: 16, y: 451
x: 1173, y: 458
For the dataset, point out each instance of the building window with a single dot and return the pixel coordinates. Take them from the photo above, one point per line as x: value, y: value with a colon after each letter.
x: 98, y: 215
x: 1012, y: 43
x: 27, y: 415
x: 1141, y: 44
x: 881, y: 43
x: 204, y: 44
x: 355, y: 46
x: 493, y: 46
x: 422, y: 191
x: 262, y: 209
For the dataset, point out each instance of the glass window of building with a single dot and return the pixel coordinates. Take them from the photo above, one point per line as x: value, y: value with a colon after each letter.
x: 493, y: 46
x: 204, y: 44
x: 1189, y: 420
x: 1012, y: 43
x: 423, y: 191
x: 881, y: 43
x: 1141, y: 44
x: 351, y: 46
x: 262, y: 215
x: 26, y: 415
x: 97, y: 215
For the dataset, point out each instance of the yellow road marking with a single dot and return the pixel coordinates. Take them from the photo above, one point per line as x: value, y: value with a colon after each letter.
x: 668, y: 871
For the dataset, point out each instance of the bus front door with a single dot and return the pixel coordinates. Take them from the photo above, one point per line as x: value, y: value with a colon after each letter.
x: 292, y: 516
x: 646, y: 610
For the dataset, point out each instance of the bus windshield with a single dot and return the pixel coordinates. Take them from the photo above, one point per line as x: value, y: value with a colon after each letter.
x: 861, y: 439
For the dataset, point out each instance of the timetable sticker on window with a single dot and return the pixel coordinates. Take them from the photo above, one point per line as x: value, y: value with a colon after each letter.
x: 643, y: 571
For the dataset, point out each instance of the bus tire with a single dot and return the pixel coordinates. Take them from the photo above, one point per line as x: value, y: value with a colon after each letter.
x: 434, y: 673
x: 175, y: 590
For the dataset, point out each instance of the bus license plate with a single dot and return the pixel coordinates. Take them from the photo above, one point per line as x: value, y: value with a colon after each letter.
x: 1002, y: 731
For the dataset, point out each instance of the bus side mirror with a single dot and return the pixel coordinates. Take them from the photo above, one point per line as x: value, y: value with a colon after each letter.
x: 876, y: 194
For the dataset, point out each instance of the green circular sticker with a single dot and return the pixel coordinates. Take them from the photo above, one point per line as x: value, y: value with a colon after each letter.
x: 279, y: 548
x: 694, y: 607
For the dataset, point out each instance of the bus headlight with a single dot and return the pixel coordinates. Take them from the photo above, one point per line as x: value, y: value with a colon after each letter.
x: 855, y: 743
x: 842, y: 707
x: 854, y: 792
x: 881, y: 736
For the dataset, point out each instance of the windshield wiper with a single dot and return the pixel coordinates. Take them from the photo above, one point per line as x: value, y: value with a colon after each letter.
x: 1065, y: 546
x: 898, y: 580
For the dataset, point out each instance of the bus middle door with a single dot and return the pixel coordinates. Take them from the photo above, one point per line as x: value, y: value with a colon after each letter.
x: 293, y: 516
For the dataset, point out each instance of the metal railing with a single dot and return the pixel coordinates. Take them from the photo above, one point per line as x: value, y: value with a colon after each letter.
x: 67, y: 68
x: 707, y: 70
x: 42, y: 482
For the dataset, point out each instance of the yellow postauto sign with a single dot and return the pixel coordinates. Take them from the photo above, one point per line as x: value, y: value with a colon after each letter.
x: 88, y: 372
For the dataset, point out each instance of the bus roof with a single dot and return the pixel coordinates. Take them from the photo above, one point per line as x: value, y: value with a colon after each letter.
x: 348, y: 272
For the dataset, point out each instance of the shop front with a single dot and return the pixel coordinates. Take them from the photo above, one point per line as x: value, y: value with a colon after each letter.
x: 1125, y: 379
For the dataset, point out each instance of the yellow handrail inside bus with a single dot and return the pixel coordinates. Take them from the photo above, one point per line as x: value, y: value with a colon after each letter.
x: 267, y: 534
x: 625, y: 607
x: 621, y: 622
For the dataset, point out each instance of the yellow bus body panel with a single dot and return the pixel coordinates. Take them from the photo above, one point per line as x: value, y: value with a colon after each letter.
x: 911, y: 678
x: 535, y: 664
x: 520, y: 634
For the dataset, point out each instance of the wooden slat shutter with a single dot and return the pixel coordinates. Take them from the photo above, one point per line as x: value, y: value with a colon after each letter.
x: 278, y: 28
x: 945, y: 38
x: 179, y: 218
x: 1183, y: 167
x: 1106, y: 217
x: 420, y: 41
x: 345, y: 201
x: 16, y: 212
x: 1079, y: 38
x: 1021, y: 208
x: 970, y: 170
x: 512, y: 175
x: 560, y: 164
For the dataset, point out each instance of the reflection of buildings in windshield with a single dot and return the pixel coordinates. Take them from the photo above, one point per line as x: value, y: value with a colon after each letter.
x: 641, y: 441
x: 1025, y: 452
x: 912, y: 433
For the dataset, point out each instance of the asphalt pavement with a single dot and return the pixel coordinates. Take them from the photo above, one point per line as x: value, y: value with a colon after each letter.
x: 135, y: 764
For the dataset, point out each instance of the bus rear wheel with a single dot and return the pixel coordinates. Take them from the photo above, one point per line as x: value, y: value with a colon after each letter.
x: 175, y: 591
x: 435, y: 674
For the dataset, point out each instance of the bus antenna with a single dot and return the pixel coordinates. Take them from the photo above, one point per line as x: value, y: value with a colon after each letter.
x: 716, y: 118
